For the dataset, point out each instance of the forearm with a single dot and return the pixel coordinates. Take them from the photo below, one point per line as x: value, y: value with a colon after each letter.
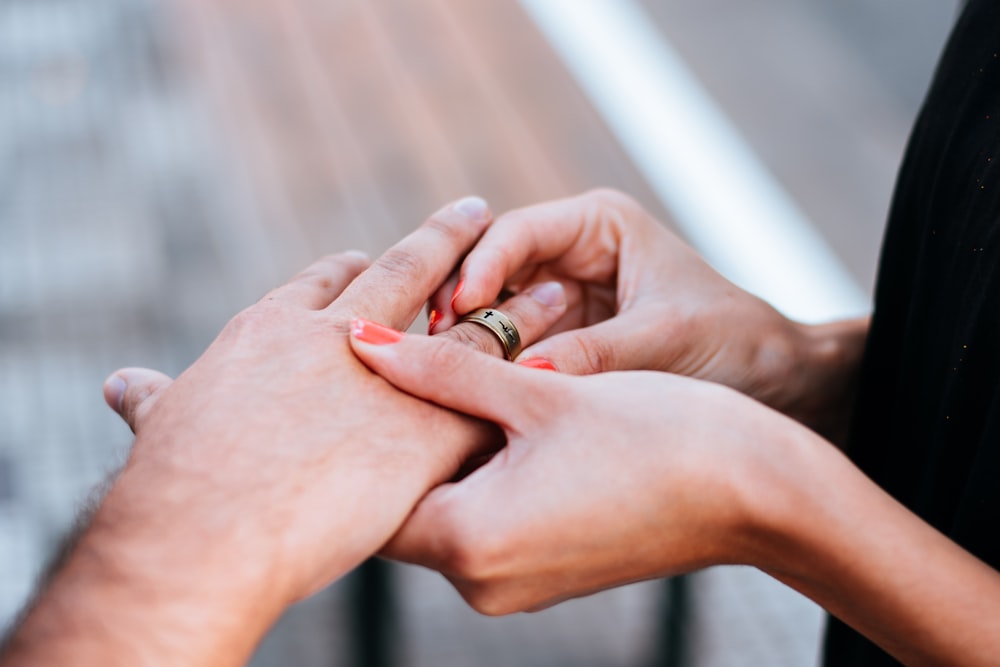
x: 841, y: 540
x: 144, y: 588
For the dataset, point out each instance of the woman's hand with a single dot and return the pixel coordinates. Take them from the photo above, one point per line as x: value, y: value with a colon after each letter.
x: 605, y: 479
x: 612, y: 478
x: 639, y: 298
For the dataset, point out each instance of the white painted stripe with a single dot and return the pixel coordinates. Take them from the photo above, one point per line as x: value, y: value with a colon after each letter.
x: 724, y: 200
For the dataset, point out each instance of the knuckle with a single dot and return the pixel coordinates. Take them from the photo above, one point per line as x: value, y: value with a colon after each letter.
x: 324, y: 267
x: 613, y: 205
x: 611, y: 198
x: 248, y: 318
x: 401, y: 266
x: 251, y: 322
x: 473, y: 559
x: 596, y: 353
x: 241, y: 322
x: 439, y: 224
x: 355, y: 260
x: 321, y: 280
x: 468, y: 552
x: 335, y: 266
x: 489, y: 600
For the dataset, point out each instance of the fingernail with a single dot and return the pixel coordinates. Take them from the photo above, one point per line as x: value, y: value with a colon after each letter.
x: 376, y: 334
x: 458, y: 290
x: 540, y: 363
x: 474, y: 208
x: 551, y: 293
x: 432, y: 320
x: 357, y: 254
x: 114, y: 389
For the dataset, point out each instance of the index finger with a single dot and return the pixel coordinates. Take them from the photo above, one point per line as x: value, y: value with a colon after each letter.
x: 396, y: 286
x: 579, y: 235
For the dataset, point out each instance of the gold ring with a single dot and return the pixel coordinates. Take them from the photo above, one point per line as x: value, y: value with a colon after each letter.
x: 501, y: 326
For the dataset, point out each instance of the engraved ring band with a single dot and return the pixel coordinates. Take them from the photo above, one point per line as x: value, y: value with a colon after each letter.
x: 501, y: 326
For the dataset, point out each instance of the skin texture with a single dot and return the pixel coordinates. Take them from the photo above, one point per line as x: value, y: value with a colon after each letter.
x: 612, y: 478
x: 639, y: 298
x: 267, y: 469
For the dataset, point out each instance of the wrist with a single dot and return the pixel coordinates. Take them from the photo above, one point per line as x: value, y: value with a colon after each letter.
x: 808, y: 505
x: 786, y: 496
x: 819, y: 380
x: 825, y: 529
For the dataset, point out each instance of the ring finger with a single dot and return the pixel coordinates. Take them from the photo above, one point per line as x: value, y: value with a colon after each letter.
x: 533, y: 312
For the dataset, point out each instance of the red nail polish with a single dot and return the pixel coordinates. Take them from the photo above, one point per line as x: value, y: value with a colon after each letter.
x: 458, y: 290
x: 376, y: 334
x: 432, y: 320
x: 539, y: 363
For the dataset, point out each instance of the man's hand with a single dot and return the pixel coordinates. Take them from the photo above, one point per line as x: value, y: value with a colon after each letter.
x: 271, y: 466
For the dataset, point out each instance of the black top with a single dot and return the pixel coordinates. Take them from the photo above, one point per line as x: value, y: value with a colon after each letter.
x: 927, y: 423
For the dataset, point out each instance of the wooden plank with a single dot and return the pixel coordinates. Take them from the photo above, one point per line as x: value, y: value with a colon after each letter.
x: 365, y: 116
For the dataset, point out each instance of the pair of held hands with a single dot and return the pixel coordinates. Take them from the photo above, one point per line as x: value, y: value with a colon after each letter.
x: 308, y: 437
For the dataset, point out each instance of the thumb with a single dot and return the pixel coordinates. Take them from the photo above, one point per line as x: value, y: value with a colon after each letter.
x: 132, y: 392
x: 453, y: 375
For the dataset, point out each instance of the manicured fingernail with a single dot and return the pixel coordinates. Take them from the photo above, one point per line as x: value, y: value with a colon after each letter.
x: 539, y: 363
x: 114, y: 390
x: 458, y: 290
x: 474, y: 208
x: 551, y: 293
x: 432, y: 320
x: 376, y: 334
